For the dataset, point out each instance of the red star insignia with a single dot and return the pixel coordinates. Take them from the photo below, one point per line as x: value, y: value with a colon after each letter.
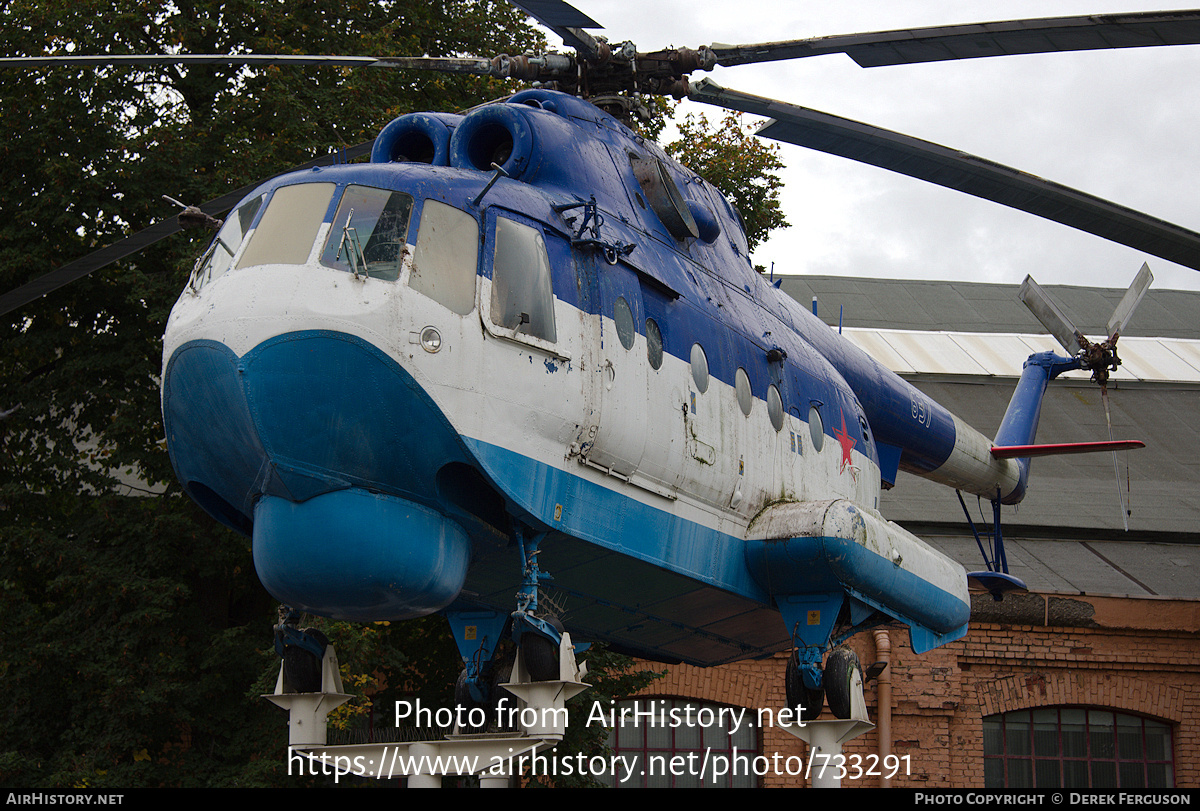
x: 847, y: 444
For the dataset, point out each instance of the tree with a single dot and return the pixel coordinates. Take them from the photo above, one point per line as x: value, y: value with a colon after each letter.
x: 741, y: 166
x: 134, y: 624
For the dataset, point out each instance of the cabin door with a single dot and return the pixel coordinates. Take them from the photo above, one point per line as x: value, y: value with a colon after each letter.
x: 613, y: 366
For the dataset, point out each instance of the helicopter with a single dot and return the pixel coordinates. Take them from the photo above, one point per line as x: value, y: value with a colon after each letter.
x: 523, y: 342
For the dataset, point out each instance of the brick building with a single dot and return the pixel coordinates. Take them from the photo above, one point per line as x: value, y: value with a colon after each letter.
x: 1090, y: 679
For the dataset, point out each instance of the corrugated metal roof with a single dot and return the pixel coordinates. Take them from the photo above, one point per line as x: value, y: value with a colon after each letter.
x: 982, y: 307
x: 1002, y: 355
x: 1079, y: 493
x: 964, y: 344
x: 1091, y: 567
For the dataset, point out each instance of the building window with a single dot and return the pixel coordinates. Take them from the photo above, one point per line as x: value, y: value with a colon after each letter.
x: 666, y: 742
x: 1076, y: 747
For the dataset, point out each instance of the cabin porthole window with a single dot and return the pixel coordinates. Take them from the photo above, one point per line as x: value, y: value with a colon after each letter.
x: 816, y: 428
x: 654, y: 344
x: 699, y: 368
x: 623, y: 318
x: 745, y: 396
x: 775, y: 407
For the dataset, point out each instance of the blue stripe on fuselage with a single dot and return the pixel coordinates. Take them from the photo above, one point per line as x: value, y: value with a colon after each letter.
x: 614, y: 521
x: 611, y: 519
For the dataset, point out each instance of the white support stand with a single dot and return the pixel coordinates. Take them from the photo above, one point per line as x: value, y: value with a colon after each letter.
x: 493, y: 757
x: 825, y: 739
x: 307, y: 712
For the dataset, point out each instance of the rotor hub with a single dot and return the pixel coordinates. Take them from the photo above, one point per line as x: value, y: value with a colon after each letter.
x: 1100, y: 358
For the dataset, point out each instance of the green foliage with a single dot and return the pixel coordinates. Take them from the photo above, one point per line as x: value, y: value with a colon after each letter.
x: 134, y: 624
x: 383, y: 662
x: 660, y: 109
x: 131, y: 626
x: 137, y: 638
x: 741, y: 166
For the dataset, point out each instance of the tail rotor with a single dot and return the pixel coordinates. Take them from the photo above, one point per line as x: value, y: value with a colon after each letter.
x: 1098, y: 357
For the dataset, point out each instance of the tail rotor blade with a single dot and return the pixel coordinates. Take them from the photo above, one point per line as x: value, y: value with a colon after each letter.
x: 1052, y: 318
x: 1116, y: 465
x: 1130, y: 301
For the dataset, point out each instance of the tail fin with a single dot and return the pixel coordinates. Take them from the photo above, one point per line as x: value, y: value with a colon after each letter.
x: 1020, y: 423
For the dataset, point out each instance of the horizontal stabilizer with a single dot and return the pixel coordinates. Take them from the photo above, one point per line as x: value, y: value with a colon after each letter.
x: 996, y: 583
x: 1024, y: 451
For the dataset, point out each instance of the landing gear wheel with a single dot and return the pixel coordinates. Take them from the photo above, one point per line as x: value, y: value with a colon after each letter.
x: 841, y: 670
x: 798, y: 695
x: 540, y: 654
x: 302, y: 670
x: 463, y: 700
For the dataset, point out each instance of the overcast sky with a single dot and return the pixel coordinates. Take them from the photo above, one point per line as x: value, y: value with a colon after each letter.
x: 1120, y: 124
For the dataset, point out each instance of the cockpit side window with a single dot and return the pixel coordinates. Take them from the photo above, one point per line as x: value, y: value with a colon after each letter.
x: 369, y: 232
x: 522, y: 294
x: 219, y: 256
x: 286, y: 231
x: 447, y: 254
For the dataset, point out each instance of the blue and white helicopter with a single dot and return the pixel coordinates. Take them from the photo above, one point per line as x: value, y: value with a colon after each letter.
x: 522, y: 343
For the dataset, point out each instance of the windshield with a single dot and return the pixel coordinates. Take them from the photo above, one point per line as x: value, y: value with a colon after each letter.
x: 286, y: 231
x: 369, y: 232
x: 219, y: 256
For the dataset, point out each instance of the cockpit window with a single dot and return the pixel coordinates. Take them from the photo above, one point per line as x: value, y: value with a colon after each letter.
x: 285, y: 234
x: 446, y: 256
x: 522, y: 294
x: 369, y: 232
x: 219, y: 256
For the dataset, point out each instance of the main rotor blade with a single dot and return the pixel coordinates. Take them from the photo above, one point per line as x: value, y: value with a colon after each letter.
x: 566, y: 21
x: 1052, y: 318
x: 555, y: 14
x: 146, y: 237
x: 958, y: 170
x: 470, y: 65
x: 1130, y: 301
x: 977, y: 40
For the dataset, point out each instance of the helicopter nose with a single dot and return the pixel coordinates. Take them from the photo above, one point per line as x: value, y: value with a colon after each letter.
x: 323, y: 448
x: 298, y: 415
